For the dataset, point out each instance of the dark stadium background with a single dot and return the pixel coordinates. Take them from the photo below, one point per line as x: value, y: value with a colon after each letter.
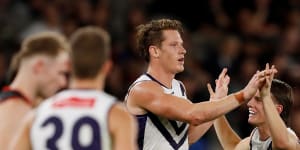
x: 239, y: 35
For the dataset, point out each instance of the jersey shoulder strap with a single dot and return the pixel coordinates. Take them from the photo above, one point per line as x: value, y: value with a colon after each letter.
x: 9, y: 94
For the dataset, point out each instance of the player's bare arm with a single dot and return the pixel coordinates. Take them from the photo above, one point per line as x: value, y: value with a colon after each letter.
x: 11, y: 113
x: 122, y: 124
x: 242, y: 145
x: 196, y: 132
x: 21, y: 140
x: 281, y: 138
x: 150, y: 96
x: 226, y: 135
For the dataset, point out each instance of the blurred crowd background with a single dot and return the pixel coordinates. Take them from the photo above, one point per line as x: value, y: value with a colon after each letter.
x: 239, y: 35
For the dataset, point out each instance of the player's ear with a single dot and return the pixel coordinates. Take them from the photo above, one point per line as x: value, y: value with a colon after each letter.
x: 107, y: 66
x: 153, y: 51
x: 279, y: 108
x: 38, y: 65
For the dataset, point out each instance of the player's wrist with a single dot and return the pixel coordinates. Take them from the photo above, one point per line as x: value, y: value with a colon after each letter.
x: 240, y: 97
x: 266, y: 97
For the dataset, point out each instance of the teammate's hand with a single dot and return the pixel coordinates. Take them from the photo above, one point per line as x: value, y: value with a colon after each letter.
x: 221, y: 89
x: 265, y: 89
x: 257, y: 81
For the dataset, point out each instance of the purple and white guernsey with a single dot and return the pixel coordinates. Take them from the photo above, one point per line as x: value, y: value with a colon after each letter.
x: 73, y: 119
x: 158, y: 133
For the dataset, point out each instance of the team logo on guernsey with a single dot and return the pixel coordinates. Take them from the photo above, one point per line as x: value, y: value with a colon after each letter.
x: 75, y: 102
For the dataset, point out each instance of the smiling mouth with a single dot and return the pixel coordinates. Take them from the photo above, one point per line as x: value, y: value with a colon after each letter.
x: 251, y: 113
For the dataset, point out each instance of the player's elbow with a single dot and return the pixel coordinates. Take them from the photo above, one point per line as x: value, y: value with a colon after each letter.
x: 281, y: 144
x: 195, y: 118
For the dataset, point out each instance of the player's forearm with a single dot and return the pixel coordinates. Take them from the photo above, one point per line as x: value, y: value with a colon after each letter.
x: 196, y: 132
x: 226, y: 135
x: 278, y: 128
x: 207, y: 111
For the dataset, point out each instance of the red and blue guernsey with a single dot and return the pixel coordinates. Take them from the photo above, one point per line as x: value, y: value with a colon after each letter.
x: 8, y: 93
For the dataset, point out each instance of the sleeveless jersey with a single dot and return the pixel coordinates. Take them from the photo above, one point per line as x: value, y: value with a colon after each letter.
x: 158, y: 133
x: 73, y: 119
x: 8, y: 93
x: 257, y: 144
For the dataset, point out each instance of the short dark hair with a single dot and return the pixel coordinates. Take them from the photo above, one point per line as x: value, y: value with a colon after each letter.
x: 283, y: 94
x: 151, y: 34
x: 90, y: 49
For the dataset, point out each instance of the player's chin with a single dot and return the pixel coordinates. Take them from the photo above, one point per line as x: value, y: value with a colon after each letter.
x: 252, y: 121
x: 180, y: 68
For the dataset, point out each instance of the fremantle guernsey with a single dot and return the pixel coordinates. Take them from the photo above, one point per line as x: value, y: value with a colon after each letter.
x: 158, y: 133
x: 73, y: 119
x: 257, y: 144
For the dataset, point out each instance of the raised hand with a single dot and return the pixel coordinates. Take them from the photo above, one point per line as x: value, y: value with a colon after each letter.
x: 257, y: 81
x: 265, y: 90
x: 221, y: 89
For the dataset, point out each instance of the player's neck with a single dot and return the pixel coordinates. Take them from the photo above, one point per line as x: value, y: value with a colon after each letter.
x: 264, y: 132
x: 86, y: 84
x: 162, y: 76
x: 25, y: 85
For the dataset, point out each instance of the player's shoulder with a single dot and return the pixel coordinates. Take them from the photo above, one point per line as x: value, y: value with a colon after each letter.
x: 145, y: 80
x: 293, y: 136
x: 16, y: 103
x: 120, y: 107
x: 146, y: 85
x: 144, y: 91
x: 244, y: 144
x: 120, y: 121
x: 119, y: 112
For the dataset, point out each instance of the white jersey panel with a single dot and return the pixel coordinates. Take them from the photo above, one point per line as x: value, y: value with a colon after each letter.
x: 257, y: 144
x: 73, y: 119
x: 158, y: 133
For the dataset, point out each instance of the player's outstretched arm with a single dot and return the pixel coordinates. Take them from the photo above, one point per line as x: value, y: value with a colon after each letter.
x: 281, y: 138
x: 150, y: 96
x: 21, y: 140
x: 226, y: 135
x: 196, y: 132
x: 123, y: 128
